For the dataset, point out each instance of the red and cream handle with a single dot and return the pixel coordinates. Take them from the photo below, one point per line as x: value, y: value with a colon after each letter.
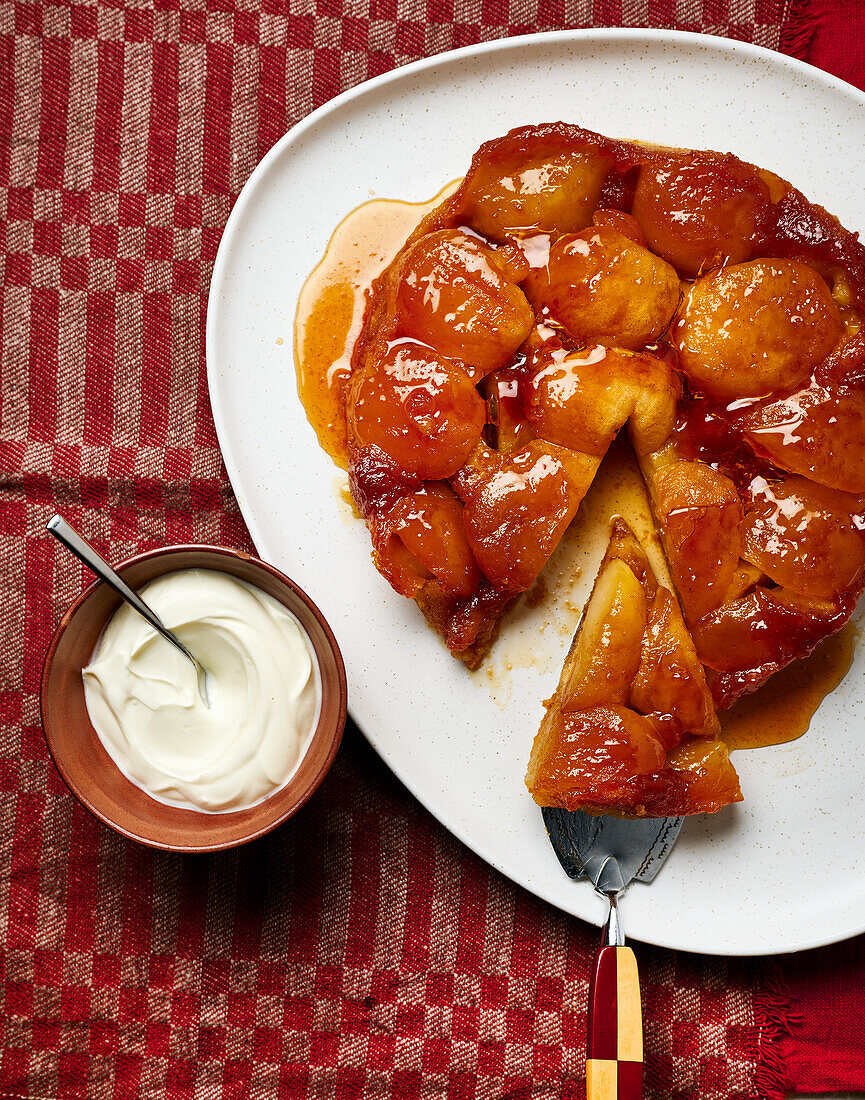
x: 614, y: 1043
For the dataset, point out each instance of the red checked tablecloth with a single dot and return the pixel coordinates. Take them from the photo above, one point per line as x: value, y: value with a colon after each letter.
x: 359, y: 951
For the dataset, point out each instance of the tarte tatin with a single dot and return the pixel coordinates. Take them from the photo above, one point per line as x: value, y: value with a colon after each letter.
x: 573, y: 285
x: 632, y: 727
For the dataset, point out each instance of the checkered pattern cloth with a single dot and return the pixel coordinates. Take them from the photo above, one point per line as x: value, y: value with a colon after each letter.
x: 359, y: 951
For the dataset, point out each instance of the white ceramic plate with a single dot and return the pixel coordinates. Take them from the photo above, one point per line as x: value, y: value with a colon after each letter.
x: 781, y: 872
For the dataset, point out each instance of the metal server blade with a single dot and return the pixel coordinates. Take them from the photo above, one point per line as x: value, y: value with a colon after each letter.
x: 584, y: 843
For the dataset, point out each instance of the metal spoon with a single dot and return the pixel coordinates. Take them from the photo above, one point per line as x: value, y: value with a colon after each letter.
x: 82, y: 550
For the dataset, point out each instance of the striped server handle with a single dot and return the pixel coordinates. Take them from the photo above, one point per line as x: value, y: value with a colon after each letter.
x: 614, y: 1042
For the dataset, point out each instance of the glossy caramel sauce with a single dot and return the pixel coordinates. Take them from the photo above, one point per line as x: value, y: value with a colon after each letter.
x: 782, y: 709
x: 331, y: 306
x: 327, y: 323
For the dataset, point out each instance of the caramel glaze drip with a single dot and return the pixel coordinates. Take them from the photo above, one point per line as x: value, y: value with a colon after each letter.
x: 782, y: 709
x: 332, y: 303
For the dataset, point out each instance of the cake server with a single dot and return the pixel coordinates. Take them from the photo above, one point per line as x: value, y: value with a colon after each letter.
x: 612, y: 852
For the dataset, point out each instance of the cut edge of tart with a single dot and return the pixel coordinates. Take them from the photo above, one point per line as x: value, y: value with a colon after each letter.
x: 631, y: 729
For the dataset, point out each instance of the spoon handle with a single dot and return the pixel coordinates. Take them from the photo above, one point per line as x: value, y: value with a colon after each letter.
x: 82, y: 550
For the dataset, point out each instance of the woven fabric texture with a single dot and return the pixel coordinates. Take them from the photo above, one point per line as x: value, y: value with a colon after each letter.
x: 359, y: 951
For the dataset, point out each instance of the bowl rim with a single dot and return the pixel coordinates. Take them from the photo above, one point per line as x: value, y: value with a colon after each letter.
x: 266, y: 826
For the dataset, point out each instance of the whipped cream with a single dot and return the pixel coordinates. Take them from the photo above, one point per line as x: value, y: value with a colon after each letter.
x: 264, y: 693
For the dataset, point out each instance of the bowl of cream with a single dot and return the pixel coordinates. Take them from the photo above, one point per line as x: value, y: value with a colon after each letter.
x: 131, y: 733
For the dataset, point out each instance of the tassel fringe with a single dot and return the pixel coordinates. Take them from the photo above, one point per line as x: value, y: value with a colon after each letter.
x: 799, y: 28
x: 773, y: 1011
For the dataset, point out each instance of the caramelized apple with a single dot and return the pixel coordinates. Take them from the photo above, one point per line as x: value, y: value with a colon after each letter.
x: 818, y: 432
x: 746, y: 577
x: 605, y: 289
x: 606, y: 653
x: 506, y: 392
x: 376, y: 480
x: 712, y: 782
x: 845, y: 367
x: 701, y: 516
x: 623, y: 653
x: 469, y: 627
x: 625, y: 546
x: 518, y: 506
x: 763, y: 630
x: 421, y: 537
x: 460, y: 296
x: 419, y: 408
x: 519, y: 192
x: 670, y: 679
x: 700, y: 214
x: 595, y: 756
x: 805, y: 537
x: 581, y: 400
x: 756, y: 328
x: 623, y: 223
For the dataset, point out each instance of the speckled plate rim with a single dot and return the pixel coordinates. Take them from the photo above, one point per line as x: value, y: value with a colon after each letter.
x: 751, y: 935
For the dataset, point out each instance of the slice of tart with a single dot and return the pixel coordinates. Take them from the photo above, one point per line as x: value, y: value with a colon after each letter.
x: 631, y: 729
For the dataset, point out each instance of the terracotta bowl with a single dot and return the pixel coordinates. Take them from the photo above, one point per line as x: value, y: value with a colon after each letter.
x: 92, y: 775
